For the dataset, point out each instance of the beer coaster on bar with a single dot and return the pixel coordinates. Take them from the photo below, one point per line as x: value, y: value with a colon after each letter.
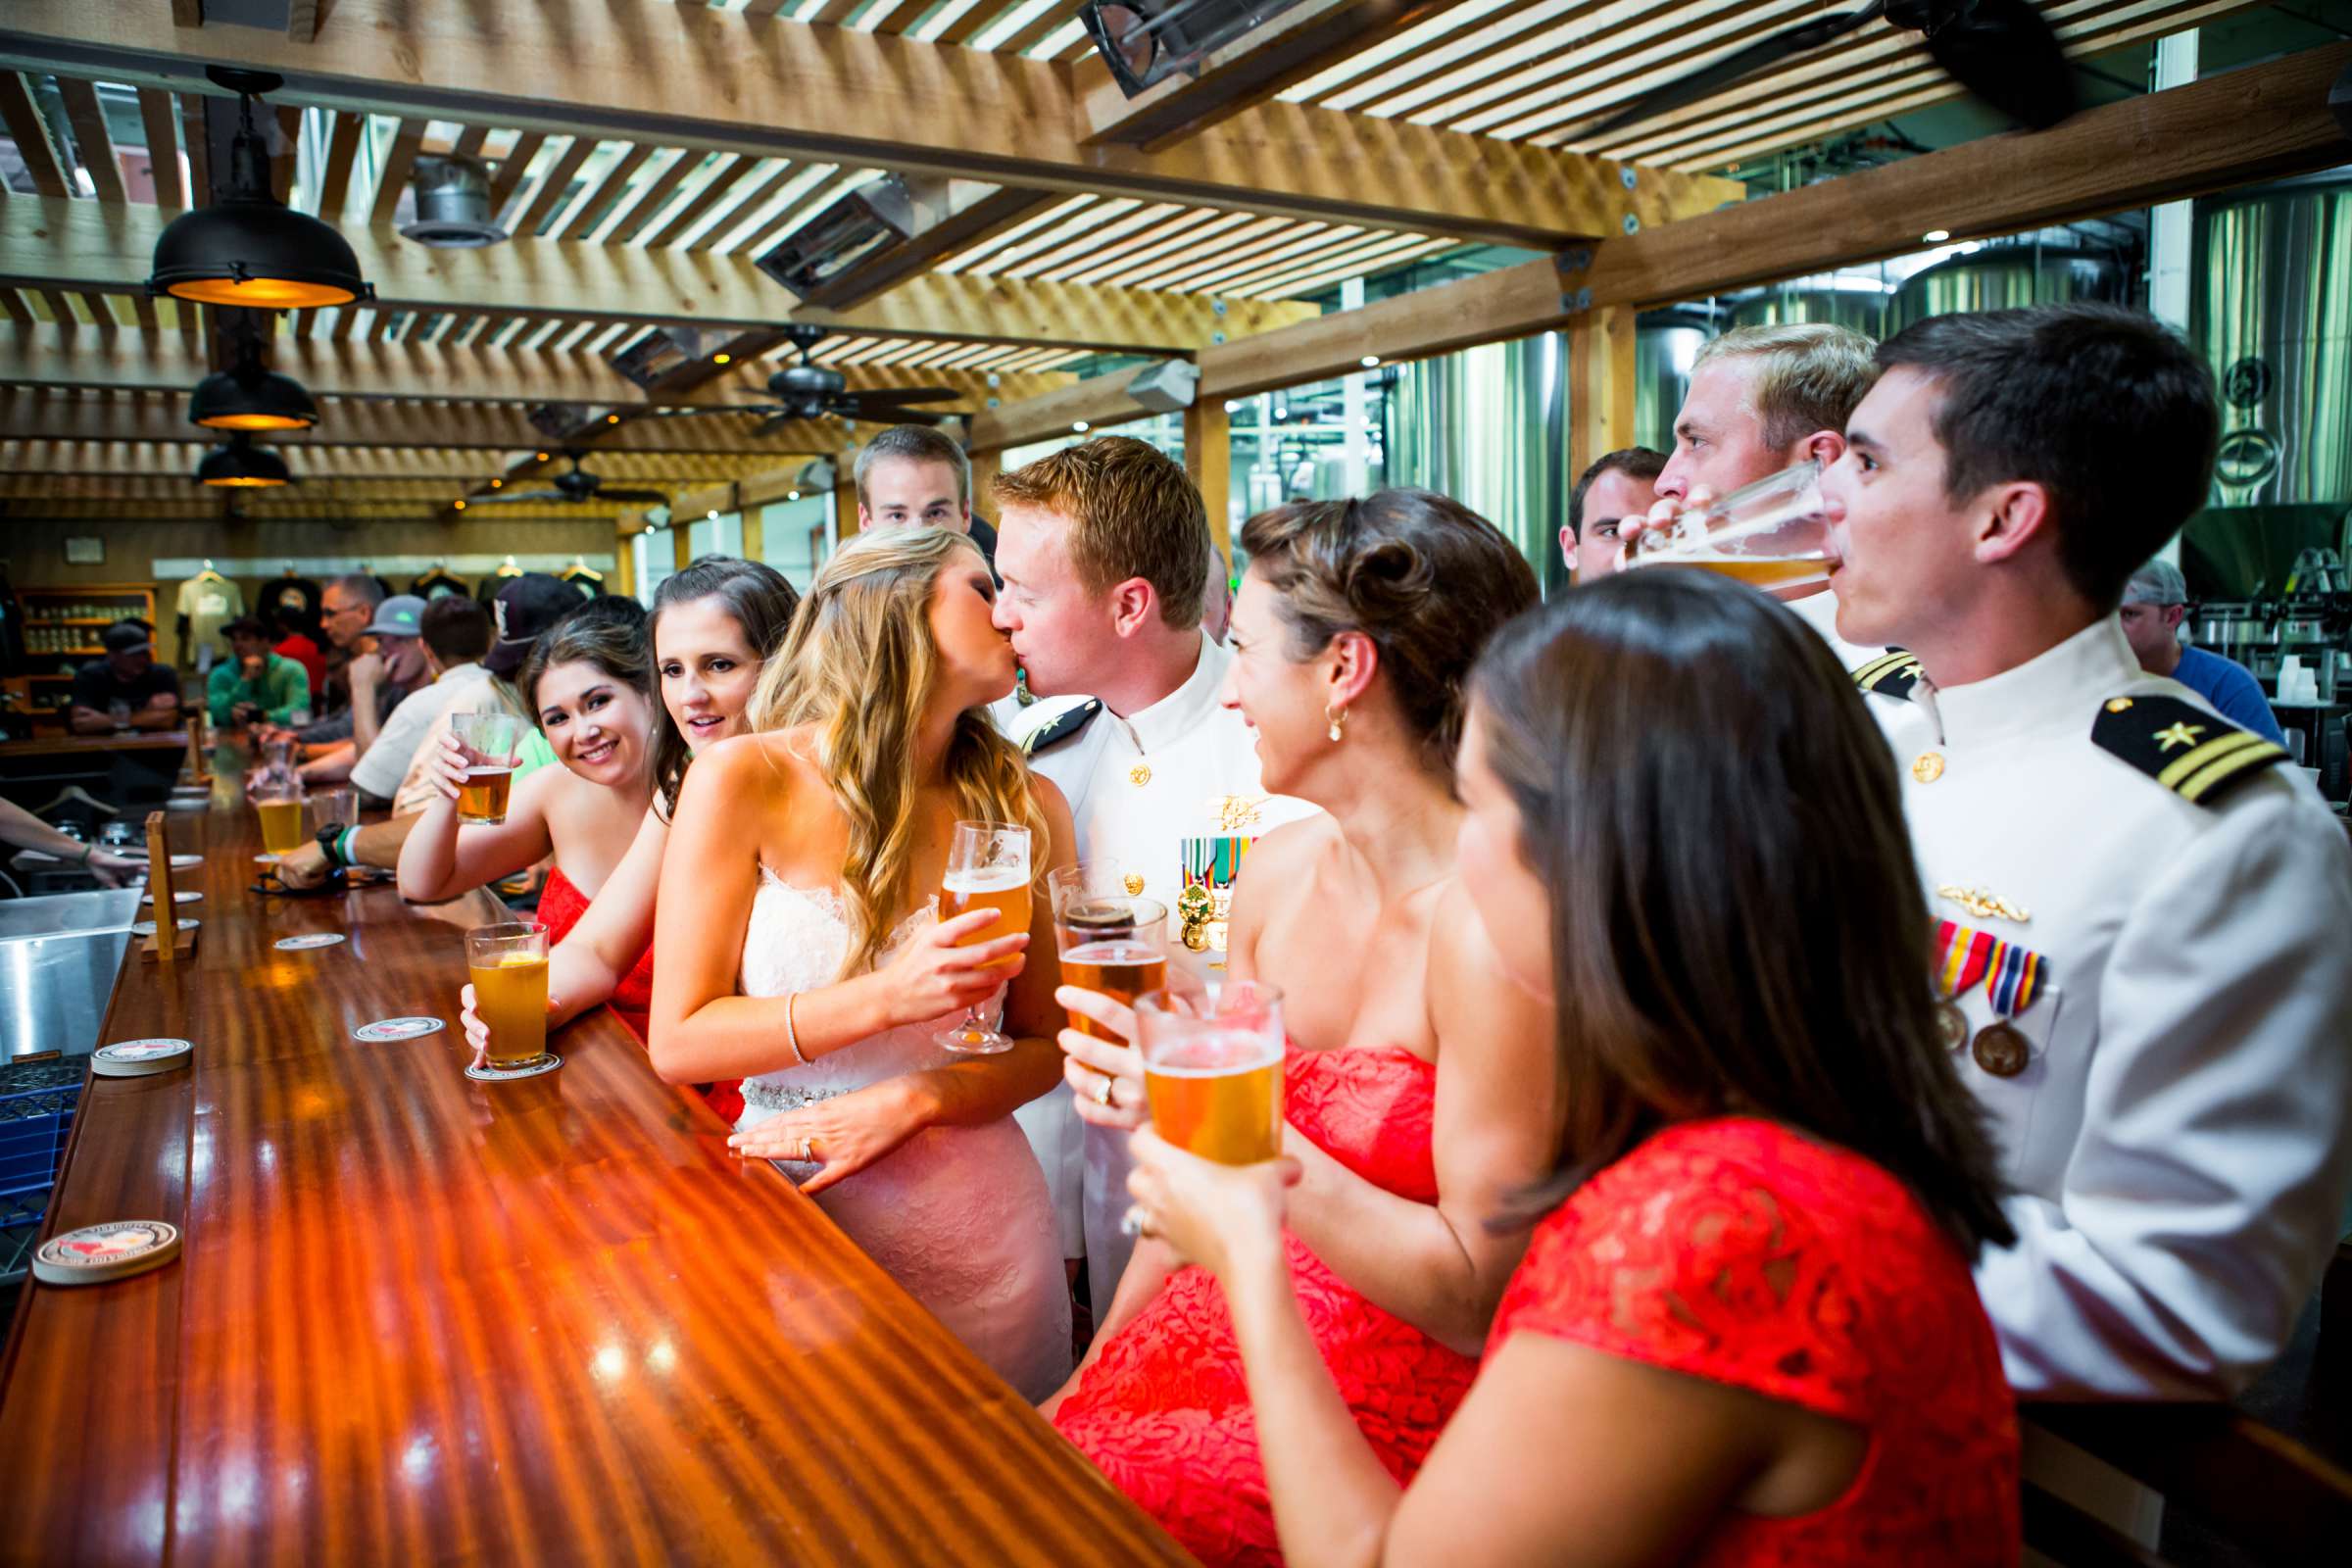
x: 114, y: 1250
x: 178, y: 895
x: 265, y: 859
x: 500, y: 1076
x: 182, y: 862
x: 136, y: 1058
x: 389, y: 1029
x: 309, y: 939
x: 146, y: 928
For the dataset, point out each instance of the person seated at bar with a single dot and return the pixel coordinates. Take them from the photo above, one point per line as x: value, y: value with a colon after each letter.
x: 589, y: 686
x: 23, y: 830
x: 1744, y: 1331
x: 396, y: 665
x: 127, y: 689
x: 452, y: 633
x: 1618, y: 484
x: 296, y: 640
x: 2155, y: 602
x: 1419, y: 1084
x: 800, y: 952
x: 350, y: 604
x: 1763, y: 399
x: 255, y: 682
x: 715, y: 626
x: 2143, y: 923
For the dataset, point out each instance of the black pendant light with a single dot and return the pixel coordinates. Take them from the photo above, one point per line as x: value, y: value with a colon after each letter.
x: 248, y: 248
x: 247, y: 397
x: 238, y: 464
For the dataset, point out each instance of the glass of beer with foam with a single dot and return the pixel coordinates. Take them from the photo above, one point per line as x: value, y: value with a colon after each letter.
x: 1110, y: 940
x: 490, y: 739
x: 507, y: 964
x: 988, y: 868
x: 1212, y: 1068
x: 1771, y: 534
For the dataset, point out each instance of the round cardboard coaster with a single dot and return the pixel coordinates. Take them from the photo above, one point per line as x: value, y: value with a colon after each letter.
x: 183, y: 862
x: 501, y: 1075
x: 265, y: 859
x: 146, y: 928
x: 136, y: 1058
x: 114, y: 1250
x: 309, y: 939
x: 178, y: 895
x: 389, y: 1029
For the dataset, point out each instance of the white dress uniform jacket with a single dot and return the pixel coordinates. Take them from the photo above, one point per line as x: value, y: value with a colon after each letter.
x: 2180, y: 1135
x: 1139, y: 788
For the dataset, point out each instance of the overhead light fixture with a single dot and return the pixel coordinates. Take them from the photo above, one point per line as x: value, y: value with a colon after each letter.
x: 498, y: 484
x: 450, y: 198
x: 661, y: 353
x: 247, y: 397
x: 611, y: 419
x: 721, y: 359
x: 1370, y: 361
x: 247, y: 248
x: 711, y: 516
x: 1144, y: 42
x: 1079, y: 425
x: 1936, y: 236
x: 1167, y: 387
x: 867, y: 220
x: 792, y: 495
x: 238, y: 464
x: 458, y: 505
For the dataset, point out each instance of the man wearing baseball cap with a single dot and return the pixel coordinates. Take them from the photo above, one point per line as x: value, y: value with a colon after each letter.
x: 128, y: 686
x: 379, y: 681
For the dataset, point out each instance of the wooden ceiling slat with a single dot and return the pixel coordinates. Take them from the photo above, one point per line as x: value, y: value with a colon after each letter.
x: 1389, y: 251
x: 32, y: 133
x: 1247, y: 241
x: 342, y: 153
x: 1150, y: 220
x: 393, y: 177
x: 197, y: 142
x: 1181, y: 235
x: 724, y: 178
x: 756, y: 214
x: 1284, y: 260
x: 282, y: 162
x: 18, y: 311
x: 1367, y: 74
x: 897, y: 16
x: 143, y: 308
x: 766, y: 8
x: 1038, y: 29
x: 61, y: 310
x: 650, y: 201
x: 552, y: 186
x: 163, y: 146
x: 834, y: 14
x: 92, y: 140
x: 966, y: 260
x: 347, y: 317
x: 1084, y: 220
x: 969, y: 25
x: 469, y: 141
x: 512, y: 168
x: 1497, y: 45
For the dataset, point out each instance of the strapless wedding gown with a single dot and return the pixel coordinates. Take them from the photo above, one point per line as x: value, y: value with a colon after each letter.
x: 958, y: 1216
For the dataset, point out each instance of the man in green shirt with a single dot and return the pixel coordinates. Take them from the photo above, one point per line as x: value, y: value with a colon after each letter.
x: 256, y: 682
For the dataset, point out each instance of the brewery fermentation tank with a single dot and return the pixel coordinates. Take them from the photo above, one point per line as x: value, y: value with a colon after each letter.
x: 2006, y: 275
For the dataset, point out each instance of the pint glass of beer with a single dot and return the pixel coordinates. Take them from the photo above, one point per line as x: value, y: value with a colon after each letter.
x: 490, y: 739
x: 275, y: 791
x: 507, y: 964
x: 1212, y: 1068
x: 1109, y: 943
x: 988, y: 867
x: 1769, y: 534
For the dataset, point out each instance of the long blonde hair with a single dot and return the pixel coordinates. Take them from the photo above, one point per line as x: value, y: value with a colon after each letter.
x: 860, y: 666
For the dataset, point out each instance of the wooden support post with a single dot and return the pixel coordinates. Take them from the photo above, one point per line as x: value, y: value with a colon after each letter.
x: 624, y: 567
x: 681, y: 543
x: 196, y: 748
x: 986, y: 465
x: 845, y: 494
x: 170, y: 941
x: 1209, y: 459
x: 753, y: 528
x: 1600, y: 385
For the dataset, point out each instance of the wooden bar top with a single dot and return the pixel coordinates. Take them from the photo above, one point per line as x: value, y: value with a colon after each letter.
x: 421, y: 1318
x: 144, y: 740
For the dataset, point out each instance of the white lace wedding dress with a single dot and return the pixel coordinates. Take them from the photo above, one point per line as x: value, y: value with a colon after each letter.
x: 958, y: 1216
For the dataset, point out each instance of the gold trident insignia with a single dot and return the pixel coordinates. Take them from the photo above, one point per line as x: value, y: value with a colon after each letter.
x: 1982, y: 904
x: 1236, y: 813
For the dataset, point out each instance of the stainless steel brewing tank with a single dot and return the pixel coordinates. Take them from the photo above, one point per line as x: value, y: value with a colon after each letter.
x: 2003, y: 278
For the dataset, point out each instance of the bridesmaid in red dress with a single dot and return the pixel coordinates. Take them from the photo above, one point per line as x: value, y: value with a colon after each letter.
x: 1418, y: 1087
x: 1745, y: 1332
x: 714, y: 625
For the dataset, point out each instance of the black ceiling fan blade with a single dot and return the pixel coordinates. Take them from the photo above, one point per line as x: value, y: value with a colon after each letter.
x: 879, y: 411
x: 507, y: 498
x: 897, y: 395
x: 1713, y: 78
x: 2005, y: 52
x: 642, y: 498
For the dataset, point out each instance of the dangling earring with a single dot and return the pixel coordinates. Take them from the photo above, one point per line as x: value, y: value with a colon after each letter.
x: 1334, y: 718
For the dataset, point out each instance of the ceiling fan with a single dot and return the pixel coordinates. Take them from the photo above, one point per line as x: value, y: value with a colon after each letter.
x: 807, y: 391
x: 2001, y: 51
x: 576, y: 485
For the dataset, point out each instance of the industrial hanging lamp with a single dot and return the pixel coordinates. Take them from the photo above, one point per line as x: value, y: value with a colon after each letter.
x: 248, y: 248
x: 238, y: 464
x: 247, y: 397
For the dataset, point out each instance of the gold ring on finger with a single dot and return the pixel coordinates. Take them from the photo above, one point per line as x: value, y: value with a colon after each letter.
x: 1102, y: 1091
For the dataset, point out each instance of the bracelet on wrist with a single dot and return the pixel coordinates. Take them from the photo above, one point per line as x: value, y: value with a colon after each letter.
x: 87, y: 850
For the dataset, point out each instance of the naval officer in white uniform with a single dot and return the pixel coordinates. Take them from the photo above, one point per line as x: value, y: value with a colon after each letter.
x: 1104, y: 549
x: 2144, y: 922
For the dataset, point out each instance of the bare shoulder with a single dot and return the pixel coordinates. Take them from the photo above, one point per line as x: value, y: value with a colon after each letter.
x: 1293, y: 849
x: 1467, y: 981
x: 752, y: 765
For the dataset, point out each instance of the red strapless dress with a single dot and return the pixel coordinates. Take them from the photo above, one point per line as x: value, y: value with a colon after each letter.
x: 1165, y: 1412
x: 561, y: 906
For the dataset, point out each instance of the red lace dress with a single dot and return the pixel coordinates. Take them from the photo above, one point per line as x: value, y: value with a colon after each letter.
x: 1743, y: 1252
x: 561, y: 906
x: 1165, y: 1412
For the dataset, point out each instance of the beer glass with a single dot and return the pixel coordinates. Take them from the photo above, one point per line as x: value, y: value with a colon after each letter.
x: 988, y: 868
x: 335, y: 807
x: 1109, y: 942
x: 277, y: 795
x: 1212, y: 1068
x: 507, y: 964
x: 490, y: 740
x: 1769, y: 534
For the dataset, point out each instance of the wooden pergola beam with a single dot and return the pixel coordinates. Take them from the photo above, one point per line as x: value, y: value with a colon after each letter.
x: 95, y: 248
x: 731, y: 83
x: 2256, y: 124
x: 169, y: 461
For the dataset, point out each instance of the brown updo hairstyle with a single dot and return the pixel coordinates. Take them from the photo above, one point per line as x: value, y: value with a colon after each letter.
x: 1426, y: 580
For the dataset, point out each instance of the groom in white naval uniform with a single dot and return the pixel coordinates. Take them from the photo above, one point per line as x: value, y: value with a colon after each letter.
x: 1104, y: 550
x: 2144, y: 923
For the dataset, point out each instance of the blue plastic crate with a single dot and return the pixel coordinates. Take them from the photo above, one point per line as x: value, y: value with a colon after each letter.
x: 36, y: 1114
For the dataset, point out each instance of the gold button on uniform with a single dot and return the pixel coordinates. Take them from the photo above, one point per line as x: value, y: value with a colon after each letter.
x: 1140, y: 774
x: 1928, y: 766
x: 2119, y: 704
x: 1135, y: 884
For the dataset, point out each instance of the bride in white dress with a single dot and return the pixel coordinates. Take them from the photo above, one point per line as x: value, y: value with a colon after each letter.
x: 799, y: 951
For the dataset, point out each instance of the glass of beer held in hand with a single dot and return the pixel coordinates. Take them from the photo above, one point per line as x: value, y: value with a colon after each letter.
x: 1771, y: 534
x: 489, y: 739
x: 507, y: 964
x: 1212, y: 1068
x: 988, y: 868
x: 1109, y: 941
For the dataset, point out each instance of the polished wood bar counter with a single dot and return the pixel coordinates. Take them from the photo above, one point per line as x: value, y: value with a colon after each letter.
x: 423, y: 1318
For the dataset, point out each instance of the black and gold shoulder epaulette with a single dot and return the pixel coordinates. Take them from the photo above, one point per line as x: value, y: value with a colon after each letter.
x: 2195, y: 754
x: 1891, y: 675
x: 1061, y: 728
